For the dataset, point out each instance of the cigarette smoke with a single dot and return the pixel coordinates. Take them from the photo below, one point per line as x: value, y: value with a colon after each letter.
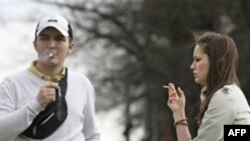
x: 47, y: 54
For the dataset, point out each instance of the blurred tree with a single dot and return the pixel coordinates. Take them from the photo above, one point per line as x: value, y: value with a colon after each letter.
x: 140, y: 45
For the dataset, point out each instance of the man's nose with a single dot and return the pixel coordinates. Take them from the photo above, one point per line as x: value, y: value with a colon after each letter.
x: 51, y: 43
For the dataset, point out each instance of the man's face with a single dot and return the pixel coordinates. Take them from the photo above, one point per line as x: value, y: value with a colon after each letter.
x: 52, y: 47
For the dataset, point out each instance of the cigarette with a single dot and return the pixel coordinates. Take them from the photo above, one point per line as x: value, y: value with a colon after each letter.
x: 164, y: 86
x: 51, y: 54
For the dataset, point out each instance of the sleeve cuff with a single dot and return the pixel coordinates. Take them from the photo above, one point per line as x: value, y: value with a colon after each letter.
x: 34, y: 107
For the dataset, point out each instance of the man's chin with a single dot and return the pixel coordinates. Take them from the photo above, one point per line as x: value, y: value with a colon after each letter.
x: 52, y: 63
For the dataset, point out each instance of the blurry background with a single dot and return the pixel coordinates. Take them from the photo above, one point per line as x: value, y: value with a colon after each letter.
x: 129, y: 49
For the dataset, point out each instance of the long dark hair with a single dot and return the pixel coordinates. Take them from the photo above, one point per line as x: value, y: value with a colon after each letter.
x: 223, y: 57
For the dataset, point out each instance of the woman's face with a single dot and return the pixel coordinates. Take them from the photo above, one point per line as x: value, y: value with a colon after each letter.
x: 200, y: 65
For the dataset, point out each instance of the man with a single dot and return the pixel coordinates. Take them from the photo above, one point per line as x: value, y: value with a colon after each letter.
x: 26, y: 94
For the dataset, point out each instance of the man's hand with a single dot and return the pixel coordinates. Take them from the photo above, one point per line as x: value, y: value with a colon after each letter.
x: 47, y: 94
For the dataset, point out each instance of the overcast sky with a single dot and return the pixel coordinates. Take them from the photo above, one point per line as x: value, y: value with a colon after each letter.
x: 17, y: 25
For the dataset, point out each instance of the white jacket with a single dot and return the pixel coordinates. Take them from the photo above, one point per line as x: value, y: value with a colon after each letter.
x: 227, y: 106
x: 19, y: 106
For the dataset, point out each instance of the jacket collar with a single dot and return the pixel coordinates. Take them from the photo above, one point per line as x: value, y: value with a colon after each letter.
x: 43, y: 76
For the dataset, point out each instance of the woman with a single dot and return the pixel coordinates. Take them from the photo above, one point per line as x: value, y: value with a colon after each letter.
x: 214, y: 66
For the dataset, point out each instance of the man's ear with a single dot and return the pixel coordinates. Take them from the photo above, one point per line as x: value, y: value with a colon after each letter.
x: 71, y: 48
x: 35, y: 44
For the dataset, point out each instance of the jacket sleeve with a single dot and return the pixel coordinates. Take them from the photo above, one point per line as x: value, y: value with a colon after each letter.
x: 90, y: 128
x: 220, y: 112
x: 14, y: 121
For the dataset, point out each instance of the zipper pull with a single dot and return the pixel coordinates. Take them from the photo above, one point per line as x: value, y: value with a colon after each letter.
x: 34, y: 131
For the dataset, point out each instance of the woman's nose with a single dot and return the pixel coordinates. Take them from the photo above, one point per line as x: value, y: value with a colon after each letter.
x: 192, y: 66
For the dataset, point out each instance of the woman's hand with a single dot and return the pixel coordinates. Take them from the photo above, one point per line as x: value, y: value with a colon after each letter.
x: 176, y: 100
